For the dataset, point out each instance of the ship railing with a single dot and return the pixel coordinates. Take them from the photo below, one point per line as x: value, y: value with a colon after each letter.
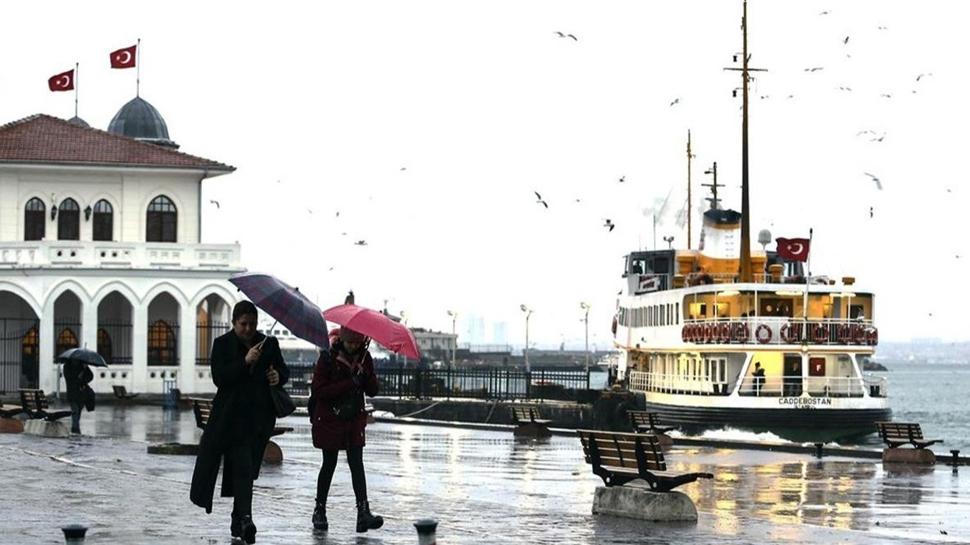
x: 796, y: 385
x: 774, y: 330
x: 677, y: 384
x: 701, y: 278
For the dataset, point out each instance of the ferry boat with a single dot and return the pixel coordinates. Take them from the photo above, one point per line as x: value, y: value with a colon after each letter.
x: 730, y: 336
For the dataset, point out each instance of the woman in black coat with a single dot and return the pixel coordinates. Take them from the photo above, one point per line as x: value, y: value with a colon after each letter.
x: 77, y: 375
x: 244, y: 365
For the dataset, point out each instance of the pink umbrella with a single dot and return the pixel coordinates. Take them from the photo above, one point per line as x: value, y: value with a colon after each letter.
x: 376, y: 325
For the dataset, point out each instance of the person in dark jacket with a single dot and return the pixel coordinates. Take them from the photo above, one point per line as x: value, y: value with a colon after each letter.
x: 340, y: 379
x: 244, y: 365
x: 77, y: 375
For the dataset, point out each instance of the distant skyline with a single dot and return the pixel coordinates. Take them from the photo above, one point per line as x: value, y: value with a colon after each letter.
x: 429, y: 125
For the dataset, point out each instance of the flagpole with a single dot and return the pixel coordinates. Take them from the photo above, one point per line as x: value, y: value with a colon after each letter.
x: 77, y: 70
x: 808, y: 280
x: 138, y: 68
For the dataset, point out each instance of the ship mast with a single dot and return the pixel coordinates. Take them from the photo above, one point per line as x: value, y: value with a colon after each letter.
x: 689, y: 157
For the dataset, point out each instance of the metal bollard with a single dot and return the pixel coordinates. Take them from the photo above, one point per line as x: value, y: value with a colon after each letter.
x: 956, y: 458
x: 818, y: 449
x: 74, y: 533
x: 426, y: 529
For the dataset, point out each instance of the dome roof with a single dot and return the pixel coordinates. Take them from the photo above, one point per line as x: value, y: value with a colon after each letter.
x: 140, y: 120
x: 79, y: 122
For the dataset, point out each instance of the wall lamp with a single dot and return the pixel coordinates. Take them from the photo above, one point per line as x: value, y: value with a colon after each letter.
x: 87, y: 213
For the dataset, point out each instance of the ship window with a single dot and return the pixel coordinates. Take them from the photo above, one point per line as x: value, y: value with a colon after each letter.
x: 663, y: 317
x: 677, y: 312
x: 650, y: 315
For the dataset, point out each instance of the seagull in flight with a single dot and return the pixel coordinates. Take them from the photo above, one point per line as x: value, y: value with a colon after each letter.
x: 360, y: 243
x: 560, y: 34
x: 216, y: 203
x: 609, y: 224
x: 870, y: 212
x: 539, y: 199
x: 622, y: 179
x: 815, y: 69
x: 676, y: 101
x: 575, y: 39
x: 921, y: 76
x: 875, y: 179
x: 826, y: 12
x: 886, y: 95
x: 845, y: 41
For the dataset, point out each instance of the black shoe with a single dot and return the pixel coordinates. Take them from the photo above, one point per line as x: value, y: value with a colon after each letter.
x: 320, y: 517
x: 248, y: 529
x: 235, y: 526
x: 366, y: 520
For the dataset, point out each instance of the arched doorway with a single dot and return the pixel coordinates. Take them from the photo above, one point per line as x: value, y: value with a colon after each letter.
x: 19, y: 344
x: 163, y: 328
x: 212, y: 320
x: 115, y: 329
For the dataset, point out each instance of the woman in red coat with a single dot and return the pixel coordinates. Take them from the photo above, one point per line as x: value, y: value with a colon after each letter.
x: 340, y: 379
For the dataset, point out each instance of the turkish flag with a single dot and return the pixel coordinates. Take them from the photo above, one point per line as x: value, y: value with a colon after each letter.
x: 61, y: 82
x: 793, y: 249
x: 124, y: 57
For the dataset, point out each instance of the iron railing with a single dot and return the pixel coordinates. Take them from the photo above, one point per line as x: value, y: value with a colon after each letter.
x: 115, y: 342
x: 19, y: 353
x: 204, y: 335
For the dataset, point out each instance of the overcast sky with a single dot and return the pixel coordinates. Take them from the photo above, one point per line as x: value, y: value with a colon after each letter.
x: 321, y: 105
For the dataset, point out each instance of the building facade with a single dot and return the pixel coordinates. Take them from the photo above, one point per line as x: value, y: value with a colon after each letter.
x: 100, y: 247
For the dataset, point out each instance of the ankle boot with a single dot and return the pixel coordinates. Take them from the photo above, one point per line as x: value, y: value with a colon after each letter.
x: 365, y: 520
x: 248, y: 529
x: 320, y: 517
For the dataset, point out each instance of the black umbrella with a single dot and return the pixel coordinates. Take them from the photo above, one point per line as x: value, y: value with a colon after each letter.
x: 82, y: 355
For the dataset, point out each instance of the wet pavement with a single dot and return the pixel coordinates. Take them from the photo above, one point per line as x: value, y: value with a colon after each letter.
x: 482, y: 486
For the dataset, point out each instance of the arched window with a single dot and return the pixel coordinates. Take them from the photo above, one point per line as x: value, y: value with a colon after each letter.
x: 161, y: 344
x: 162, y: 220
x: 103, y: 221
x: 104, y: 345
x: 68, y: 220
x: 35, y: 220
x: 65, y: 341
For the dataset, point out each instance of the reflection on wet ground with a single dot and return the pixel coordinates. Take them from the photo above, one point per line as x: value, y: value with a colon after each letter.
x: 483, y: 487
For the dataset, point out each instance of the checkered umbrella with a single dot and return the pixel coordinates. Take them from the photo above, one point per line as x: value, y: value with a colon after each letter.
x: 285, y: 304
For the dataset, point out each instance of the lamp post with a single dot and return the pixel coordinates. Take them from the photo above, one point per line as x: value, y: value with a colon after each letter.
x: 585, y: 307
x: 404, y: 320
x: 454, y: 317
x: 528, y: 312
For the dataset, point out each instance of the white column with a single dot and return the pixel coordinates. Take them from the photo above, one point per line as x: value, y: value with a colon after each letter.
x: 187, y: 349
x: 89, y: 325
x: 47, y: 372
x: 139, y: 348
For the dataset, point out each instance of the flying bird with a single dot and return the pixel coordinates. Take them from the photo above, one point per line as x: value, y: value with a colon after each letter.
x: 867, y: 131
x: 886, y: 95
x: 826, y: 12
x: 880, y: 28
x: 403, y: 169
x: 878, y: 139
x: 360, y: 243
x: 539, y: 199
x: 216, y: 203
x: 575, y: 39
x: 338, y: 213
x: 815, y: 69
x: 845, y: 41
x: 622, y: 179
x: 870, y: 212
x: 919, y: 77
x: 845, y: 88
x: 875, y: 179
x: 676, y: 101
x: 560, y: 34
x: 308, y: 211
x: 609, y: 224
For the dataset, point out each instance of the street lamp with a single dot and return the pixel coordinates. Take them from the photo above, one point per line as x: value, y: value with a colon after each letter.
x: 528, y: 312
x: 454, y: 316
x: 585, y: 307
x: 404, y: 320
x: 670, y: 241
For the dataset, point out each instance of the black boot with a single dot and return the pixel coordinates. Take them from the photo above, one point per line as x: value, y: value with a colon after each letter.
x: 365, y: 520
x: 248, y: 529
x: 235, y: 526
x: 320, y: 517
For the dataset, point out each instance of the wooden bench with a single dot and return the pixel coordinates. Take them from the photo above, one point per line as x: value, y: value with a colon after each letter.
x: 897, y: 434
x: 529, y: 422
x: 647, y: 422
x: 619, y: 458
x: 202, y: 408
x: 9, y: 411
x: 35, y: 405
x: 122, y: 393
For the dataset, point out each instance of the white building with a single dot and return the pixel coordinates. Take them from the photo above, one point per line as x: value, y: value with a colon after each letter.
x: 100, y: 247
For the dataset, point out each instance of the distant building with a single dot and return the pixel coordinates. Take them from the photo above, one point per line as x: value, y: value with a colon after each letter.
x: 100, y: 246
x: 435, y: 345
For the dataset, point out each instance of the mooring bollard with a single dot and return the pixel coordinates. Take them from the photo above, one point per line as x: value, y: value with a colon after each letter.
x: 818, y: 449
x: 426, y: 529
x: 956, y: 458
x: 74, y: 533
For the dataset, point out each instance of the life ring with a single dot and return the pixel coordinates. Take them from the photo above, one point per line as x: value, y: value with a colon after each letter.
x: 695, y: 333
x: 685, y: 333
x: 741, y: 332
x: 858, y: 334
x: 842, y: 334
x: 763, y: 333
x: 723, y: 333
x: 820, y: 333
x: 709, y: 333
x: 787, y: 333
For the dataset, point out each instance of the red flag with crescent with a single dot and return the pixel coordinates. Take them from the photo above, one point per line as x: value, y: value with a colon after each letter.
x: 124, y: 57
x: 793, y: 249
x: 61, y: 82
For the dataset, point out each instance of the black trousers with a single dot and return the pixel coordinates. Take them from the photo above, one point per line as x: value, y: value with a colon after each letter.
x: 355, y: 459
x: 240, y: 455
x: 76, y: 408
